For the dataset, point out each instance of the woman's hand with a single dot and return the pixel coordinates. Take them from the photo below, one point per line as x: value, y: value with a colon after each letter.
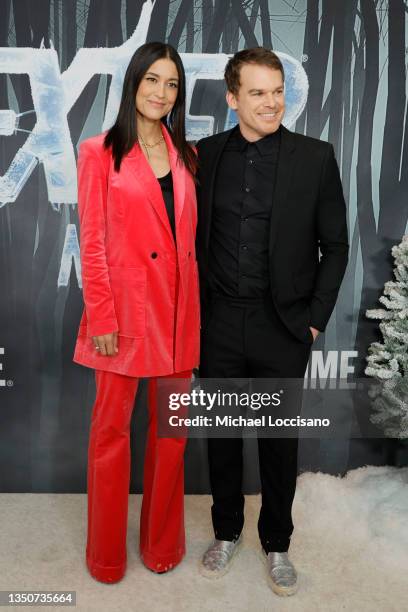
x: 107, y: 344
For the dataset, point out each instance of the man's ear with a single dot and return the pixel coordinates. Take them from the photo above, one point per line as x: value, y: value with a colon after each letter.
x: 231, y: 100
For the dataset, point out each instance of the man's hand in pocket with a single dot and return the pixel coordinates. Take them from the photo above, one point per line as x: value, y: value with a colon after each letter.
x: 315, y: 332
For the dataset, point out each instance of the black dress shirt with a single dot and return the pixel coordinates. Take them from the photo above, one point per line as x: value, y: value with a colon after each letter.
x: 240, y: 225
x: 166, y: 184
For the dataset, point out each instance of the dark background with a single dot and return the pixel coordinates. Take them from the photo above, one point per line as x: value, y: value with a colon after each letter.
x: 355, y: 59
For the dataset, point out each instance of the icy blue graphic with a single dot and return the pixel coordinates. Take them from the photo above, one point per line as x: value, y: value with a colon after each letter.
x: 296, y: 88
x: 54, y: 94
x: 50, y: 141
x: 70, y: 253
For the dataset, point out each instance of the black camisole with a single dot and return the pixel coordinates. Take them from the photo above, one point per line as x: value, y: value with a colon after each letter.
x: 166, y: 184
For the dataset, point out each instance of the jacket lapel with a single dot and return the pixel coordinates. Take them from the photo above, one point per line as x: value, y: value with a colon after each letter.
x: 208, y: 189
x: 283, y: 179
x: 137, y: 162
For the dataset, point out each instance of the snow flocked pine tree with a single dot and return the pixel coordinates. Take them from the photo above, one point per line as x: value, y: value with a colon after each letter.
x: 388, y: 360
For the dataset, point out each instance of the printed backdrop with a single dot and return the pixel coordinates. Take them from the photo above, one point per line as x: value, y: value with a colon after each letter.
x: 61, y: 68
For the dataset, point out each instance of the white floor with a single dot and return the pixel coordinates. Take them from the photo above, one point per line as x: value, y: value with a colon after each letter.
x: 350, y: 547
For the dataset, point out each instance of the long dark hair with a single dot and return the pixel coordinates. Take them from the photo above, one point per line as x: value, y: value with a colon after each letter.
x: 123, y: 134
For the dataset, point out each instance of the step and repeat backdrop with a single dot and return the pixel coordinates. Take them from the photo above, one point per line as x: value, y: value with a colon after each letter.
x: 62, y: 64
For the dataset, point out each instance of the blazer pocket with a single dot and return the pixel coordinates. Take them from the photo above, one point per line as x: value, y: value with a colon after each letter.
x: 304, y: 283
x: 128, y: 287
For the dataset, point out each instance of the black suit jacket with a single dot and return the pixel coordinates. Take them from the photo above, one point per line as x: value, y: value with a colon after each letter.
x: 308, y: 244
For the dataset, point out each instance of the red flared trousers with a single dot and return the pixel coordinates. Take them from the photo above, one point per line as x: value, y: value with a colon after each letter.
x: 162, y: 539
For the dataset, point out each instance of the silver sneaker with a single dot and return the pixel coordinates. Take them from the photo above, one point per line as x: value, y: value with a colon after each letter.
x: 281, y: 573
x: 217, y: 559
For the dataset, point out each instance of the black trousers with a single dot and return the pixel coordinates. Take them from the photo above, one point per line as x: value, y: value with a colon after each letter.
x: 241, y: 340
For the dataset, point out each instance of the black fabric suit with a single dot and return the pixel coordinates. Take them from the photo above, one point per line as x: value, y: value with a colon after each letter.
x: 270, y: 337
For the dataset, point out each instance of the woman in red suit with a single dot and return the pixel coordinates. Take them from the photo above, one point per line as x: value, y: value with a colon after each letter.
x: 137, y: 211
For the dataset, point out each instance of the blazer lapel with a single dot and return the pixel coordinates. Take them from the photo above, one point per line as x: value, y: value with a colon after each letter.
x: 283, y: 179
x: 137, y: 162
x: 208, y: 191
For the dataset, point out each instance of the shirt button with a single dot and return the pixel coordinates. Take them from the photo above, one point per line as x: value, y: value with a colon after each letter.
x: 243, y: 275
x: 153, y: 255
x: 244, y: 218
x: 247, y: 189
x: 251, y: 161
x: 244, y: 247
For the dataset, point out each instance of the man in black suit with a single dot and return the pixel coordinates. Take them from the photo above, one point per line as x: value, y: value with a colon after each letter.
x: 269, y: 201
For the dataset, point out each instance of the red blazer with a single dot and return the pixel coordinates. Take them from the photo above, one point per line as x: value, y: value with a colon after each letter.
x: 129, y: 262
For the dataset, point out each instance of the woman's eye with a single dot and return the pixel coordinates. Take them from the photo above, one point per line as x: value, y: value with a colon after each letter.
x: 150, y: 79
x: 173, y: 85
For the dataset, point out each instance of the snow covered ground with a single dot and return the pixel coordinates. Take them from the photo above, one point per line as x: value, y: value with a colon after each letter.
x: 350, y: 547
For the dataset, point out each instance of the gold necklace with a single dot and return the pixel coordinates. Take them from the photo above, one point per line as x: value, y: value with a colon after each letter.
x: 147, y: 146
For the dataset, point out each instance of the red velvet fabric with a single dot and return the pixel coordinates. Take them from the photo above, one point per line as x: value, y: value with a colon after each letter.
x: 162, y: 539
x: 130, y: 263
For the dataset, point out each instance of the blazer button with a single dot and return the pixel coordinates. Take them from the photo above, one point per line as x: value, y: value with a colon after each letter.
x: 153, y: 255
